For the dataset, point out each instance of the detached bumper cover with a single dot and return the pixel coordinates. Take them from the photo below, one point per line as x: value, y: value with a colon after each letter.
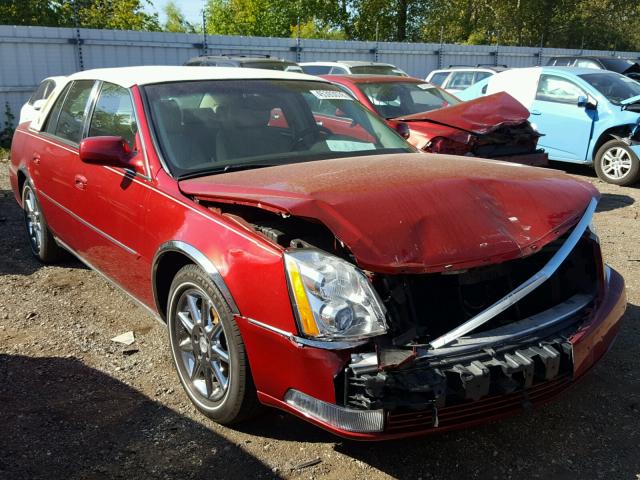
x: 539, y: 372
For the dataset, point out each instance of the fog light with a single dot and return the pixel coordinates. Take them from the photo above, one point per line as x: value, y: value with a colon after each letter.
x: 352, y: 420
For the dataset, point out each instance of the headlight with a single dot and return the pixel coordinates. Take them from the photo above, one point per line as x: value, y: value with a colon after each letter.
x: 332, y: 298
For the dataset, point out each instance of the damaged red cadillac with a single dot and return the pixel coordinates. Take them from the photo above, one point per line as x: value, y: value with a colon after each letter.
x: 316, y: 263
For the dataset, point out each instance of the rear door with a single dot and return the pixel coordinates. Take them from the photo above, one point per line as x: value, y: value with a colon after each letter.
x: 55, y: 160
x: 567, y: 128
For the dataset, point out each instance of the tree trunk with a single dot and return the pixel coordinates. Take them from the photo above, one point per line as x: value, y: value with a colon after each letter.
x: 401, y: 19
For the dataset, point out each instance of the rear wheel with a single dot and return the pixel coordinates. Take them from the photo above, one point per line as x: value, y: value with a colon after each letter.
x: 207, y: 349
x: 42, y: 243
x: 616, y: 163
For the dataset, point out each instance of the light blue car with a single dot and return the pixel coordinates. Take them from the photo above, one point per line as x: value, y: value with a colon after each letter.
x: 585, y: 115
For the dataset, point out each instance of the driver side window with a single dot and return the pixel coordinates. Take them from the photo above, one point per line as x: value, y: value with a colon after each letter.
x: 558, y: 90
x: 113, y: 114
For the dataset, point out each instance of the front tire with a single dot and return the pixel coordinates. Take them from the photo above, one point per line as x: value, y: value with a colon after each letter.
x: 616, y: 163
x: 42, y: 243
x: 207, y: 349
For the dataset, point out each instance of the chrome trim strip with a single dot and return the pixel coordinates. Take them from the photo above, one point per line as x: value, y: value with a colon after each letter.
x: 305, y: 342
x: 513, y: 332
x: 147, y: 175
x: 112, y: 282
x: 201, y: 260
x: 525, y: 288
x: 87, y: 224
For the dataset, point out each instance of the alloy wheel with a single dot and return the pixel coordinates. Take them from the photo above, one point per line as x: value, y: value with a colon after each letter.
x: 33, y: 219
x: 201, y: 345
x: 616, y: 163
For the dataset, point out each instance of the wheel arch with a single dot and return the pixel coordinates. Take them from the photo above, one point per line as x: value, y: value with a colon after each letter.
x: 171, y: 257
x: 619, y: 132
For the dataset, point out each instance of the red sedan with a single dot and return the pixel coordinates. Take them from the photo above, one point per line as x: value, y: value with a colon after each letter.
x: 435, y: 121
x: 303, y: 256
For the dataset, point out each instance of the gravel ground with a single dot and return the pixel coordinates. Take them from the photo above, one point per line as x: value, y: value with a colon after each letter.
x: 73, y: 404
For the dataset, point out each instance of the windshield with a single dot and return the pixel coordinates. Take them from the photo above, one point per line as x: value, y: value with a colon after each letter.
x: 616, y: 64
x: 399, y: 99
x: 218, y: 125
x: 377, y: 70
x: 614, y: 86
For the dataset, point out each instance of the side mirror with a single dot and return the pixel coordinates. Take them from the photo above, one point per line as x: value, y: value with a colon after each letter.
x: 403, y: 129
x: 38, y: 104
x: 108, y: 151
x: 589, y: 103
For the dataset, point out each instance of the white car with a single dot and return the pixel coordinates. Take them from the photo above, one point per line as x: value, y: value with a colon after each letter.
x: 351, y: 67
x: 38, y: 98
x: 456, y: 79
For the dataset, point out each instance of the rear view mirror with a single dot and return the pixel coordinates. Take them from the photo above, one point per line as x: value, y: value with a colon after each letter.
x: 403, y: 129
x: 108, y: 151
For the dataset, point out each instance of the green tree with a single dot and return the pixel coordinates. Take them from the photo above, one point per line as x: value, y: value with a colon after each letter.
x: 118, y: 15
x: 176, y: 21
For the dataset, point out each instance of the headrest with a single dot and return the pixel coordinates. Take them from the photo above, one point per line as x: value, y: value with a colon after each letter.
x: 248, y: 117
x: 387, y: 94
x: 199, y: 116
x: 170, y: 115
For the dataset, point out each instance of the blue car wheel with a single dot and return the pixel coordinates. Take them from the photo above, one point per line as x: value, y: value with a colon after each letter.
x: 616, y: 163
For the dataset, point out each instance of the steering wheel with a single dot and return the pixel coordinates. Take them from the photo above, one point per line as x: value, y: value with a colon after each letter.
x: 306, y: 132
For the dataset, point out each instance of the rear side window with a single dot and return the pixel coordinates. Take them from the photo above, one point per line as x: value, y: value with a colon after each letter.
x: 113, y: 114
x: 481, y: 76
x: 338, y: 71
x: 559, y: 90
x: 67, y: 121
x: 439, y: 78
x: 582, y: 63
x: 460, y: 80
x: 43, y: 91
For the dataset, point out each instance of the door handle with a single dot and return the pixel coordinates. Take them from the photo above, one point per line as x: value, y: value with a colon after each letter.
x: 36, y: 158
x: 536, y: 112
x: 80, y: 182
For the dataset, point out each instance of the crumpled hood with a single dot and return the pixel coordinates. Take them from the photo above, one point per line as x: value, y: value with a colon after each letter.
x: 414, y: 212
x: 480, y: 116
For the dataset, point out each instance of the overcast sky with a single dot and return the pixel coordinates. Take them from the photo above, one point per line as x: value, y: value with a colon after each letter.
x: 192, y: 9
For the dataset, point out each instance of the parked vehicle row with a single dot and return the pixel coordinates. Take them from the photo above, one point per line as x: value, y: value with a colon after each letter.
x: 585, y: 115
x: 303, y: 255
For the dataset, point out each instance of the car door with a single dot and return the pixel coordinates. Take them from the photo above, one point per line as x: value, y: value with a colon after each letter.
x: 567, y: 128
x: 112, y: 200
x: 55, y: 160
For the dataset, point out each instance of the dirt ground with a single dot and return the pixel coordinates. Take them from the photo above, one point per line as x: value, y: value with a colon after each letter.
x: 73, y: 405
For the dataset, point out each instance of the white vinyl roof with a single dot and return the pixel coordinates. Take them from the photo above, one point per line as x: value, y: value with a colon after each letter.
x: 129, y: 76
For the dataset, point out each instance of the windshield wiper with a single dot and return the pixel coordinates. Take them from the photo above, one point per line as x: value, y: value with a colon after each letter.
x: 225, y: 169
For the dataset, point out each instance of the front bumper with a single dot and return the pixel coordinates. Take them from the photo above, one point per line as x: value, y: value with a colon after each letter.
x: 585, y: 346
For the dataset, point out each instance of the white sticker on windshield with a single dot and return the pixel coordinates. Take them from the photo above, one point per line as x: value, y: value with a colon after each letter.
x: 331, y: 95
x: 424, y: 86
x: 349, y: 146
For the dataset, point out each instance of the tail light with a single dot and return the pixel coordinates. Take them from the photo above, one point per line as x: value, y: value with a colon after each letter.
x: 448, y: 146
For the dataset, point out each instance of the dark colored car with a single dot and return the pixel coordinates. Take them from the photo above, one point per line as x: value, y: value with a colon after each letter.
x: 315, y: 262
x: 435, y: 121
x: 616, y: 64
x: 240, y: 61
